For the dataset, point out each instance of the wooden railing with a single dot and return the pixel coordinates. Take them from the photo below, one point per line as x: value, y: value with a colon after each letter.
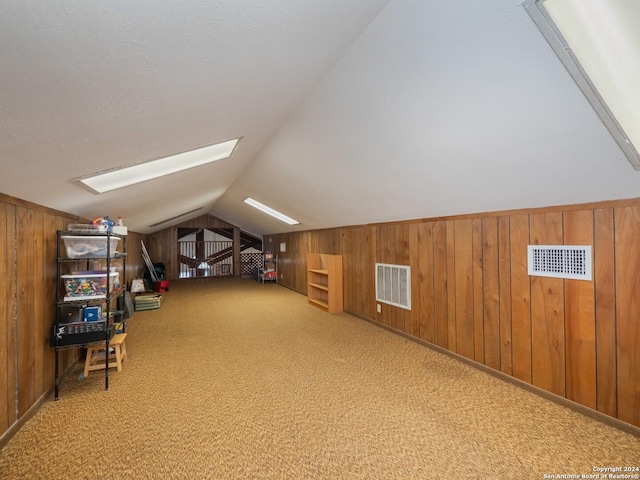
x: 205, y: 258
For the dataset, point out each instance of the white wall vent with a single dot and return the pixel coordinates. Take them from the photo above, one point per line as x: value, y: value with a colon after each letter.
x: 393, y: 285
x: 560, y: 261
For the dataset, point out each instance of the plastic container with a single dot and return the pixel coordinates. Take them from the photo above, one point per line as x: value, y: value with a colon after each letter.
x: 89, y: 285
x: 89, y: 246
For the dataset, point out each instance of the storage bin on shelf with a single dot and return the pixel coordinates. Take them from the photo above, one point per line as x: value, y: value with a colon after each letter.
x: 94, y: 246
x: 89, y: 285
x: 81, y: 332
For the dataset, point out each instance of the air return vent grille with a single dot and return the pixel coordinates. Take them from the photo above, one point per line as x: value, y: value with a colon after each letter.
x: 560, y: 261
x: 393, y: 285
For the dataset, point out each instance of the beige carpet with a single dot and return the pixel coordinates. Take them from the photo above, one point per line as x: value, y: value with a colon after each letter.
x: 232, y: 379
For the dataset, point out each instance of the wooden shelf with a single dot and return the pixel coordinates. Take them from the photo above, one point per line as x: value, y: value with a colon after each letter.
x: 320, y: 303
x: 324, y: 281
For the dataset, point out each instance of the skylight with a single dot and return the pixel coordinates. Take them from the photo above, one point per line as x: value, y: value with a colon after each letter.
x: 599, y: 44
x: 122, y: 177
x: 270, y: 211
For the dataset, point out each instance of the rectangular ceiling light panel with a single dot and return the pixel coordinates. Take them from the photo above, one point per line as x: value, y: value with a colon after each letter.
x: 270, y: 211
x: 141, y: 172
x: 598, y: 42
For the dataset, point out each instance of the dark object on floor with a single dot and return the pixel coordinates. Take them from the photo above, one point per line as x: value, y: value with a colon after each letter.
x: 159, y: 270
x: 126, y: 305
x: 161, y: 286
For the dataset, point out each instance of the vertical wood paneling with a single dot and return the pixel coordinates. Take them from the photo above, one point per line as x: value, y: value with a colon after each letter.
x: 48, y: 317
x: 25, y: 280
x: 426, y: 283
x: 299, y: 267
x: 414, y: 262
x: 547, y: 312
x: 236, y: 252
x: 504, y: 265
x: 451, y: 286
x: 326, y: 241
x: 478, y: 300
x: 463, y: 250
x: 303, y: 245
x: 6, y: 316
x: 349, y: 269
x: 12, y: 307
x: 37, y: 320
x: 289, y: 264
x: 520, y: 298
x: 313, y: 243
x: 27, y: 307
x: 358, y: 262
x: 471, y: 294
x: 368, y: 260
x: 170, y: 251
x: 285, y: 262
x: 135, y: 262
x: 627, y: 254
x: 387, y: 235
x: 163, y: 245
x: 440, y: 284
x: 403, y: 321
x: 387, y: 254
x: 580, y: 318
x: 491, y: 293
x: 607, y: 398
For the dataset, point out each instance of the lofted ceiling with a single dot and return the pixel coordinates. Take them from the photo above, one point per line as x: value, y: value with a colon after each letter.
x: 349, y: 112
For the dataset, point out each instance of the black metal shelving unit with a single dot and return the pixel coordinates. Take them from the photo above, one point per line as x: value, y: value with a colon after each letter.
x: 269, y: 269
x: 78, y: 334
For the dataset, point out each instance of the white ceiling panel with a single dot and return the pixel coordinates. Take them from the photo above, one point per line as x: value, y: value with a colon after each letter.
x: 350, y: 112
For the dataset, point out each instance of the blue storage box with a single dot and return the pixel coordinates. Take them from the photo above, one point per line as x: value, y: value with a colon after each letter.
x: 92, y: 314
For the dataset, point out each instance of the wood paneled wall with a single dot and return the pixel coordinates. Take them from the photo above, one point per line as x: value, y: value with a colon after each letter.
x: 163, y: 245
x: 27, y: 304
x: 472, y: 295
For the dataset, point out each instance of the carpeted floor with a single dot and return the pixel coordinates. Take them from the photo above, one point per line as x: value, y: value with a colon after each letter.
x: 232, y: 379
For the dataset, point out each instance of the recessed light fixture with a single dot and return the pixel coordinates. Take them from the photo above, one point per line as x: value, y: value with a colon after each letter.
x: 270, y: 211
x: 122, y: 177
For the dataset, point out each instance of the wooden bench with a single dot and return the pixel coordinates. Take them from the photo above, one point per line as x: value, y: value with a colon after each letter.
x: 96, y: 357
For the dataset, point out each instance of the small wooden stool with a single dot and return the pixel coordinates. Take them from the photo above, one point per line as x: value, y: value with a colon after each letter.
x: 96, y: 355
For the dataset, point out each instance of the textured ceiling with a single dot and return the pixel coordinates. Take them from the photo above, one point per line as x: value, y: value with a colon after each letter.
x: 350, y: 112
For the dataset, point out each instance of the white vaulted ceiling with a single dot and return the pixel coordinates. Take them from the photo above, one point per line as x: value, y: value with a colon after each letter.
x: 349, y: 112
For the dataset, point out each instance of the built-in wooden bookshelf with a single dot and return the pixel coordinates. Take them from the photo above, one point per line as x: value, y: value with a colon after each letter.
x: 324, y: 281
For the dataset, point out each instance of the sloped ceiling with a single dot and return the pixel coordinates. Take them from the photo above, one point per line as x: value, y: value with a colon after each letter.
x: 350, y: 112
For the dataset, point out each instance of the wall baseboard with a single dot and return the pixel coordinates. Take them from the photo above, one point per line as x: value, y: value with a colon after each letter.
x: 565, y: 402
x: 18, y: 424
